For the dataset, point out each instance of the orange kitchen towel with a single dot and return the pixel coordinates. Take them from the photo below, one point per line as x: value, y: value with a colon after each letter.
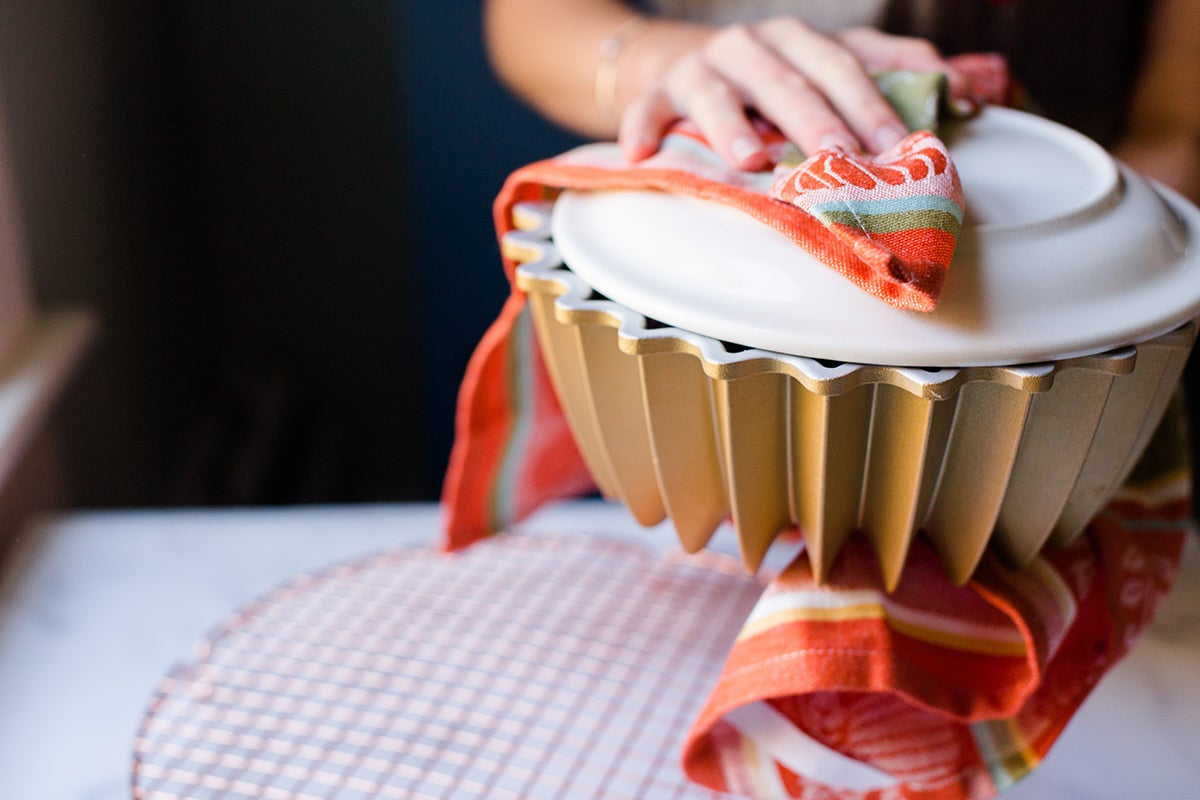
x: 934, y: 692
x: 900, y: 212
x: 887, y: 223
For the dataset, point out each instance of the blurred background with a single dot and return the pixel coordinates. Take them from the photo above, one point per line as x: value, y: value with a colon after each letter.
x: 280, y: 210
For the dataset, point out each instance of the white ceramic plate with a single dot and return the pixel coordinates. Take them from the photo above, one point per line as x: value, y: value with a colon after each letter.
x: 1062, y: 254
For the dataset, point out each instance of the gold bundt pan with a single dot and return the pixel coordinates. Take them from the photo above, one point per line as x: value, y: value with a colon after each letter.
x: 679, y: 425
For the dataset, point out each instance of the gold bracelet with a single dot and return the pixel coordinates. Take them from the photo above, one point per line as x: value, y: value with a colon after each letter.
x: 608, y: 66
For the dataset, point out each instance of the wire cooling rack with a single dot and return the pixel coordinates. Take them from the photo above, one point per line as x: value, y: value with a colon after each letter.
x: 532, y: 668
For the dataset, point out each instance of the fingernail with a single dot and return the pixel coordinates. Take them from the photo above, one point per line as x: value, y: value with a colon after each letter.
x: 888, y: 135
x: 744, y: 147
x: 963, y: 106
x: 638, y: 147
x: 645, y: 144
x: 837, y: 141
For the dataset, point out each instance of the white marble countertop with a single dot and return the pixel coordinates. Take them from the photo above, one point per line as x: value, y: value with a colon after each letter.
x: 96, y: 607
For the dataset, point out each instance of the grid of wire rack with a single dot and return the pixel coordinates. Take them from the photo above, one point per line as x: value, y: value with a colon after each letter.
x: 534, y: 668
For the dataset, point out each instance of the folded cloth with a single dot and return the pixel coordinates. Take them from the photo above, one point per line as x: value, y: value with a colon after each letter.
x: 886, y: 223
x: 936, y: 692
x: 899, y: 213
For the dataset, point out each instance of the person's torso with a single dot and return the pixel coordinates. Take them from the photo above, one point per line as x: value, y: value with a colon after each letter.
x: 827, y: 15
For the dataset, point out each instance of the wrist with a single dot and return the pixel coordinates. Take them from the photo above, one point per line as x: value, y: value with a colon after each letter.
x: 608, y: 66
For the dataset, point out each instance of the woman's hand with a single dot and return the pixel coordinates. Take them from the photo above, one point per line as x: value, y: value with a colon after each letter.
x: 815, y: 87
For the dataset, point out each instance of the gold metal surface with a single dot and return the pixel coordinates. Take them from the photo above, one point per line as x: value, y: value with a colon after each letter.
x: 1133, y: 409
x: 976, y: 465
x: 1057, y: 438
x: 674, y: 424
x: 564, y: 360
x: 828, y: 450
x: 752, y: 421
x: 615, y: 394
x: 679, y: 413
x: 897, y: 458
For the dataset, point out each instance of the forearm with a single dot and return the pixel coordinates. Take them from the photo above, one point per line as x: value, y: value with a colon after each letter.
x: 815, y: 87
x: 548, y: 51
x: 1163, y: 134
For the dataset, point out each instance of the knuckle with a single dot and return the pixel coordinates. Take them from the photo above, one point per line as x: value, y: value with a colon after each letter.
x: 686, y: 70
x: 795, y: 83
x: 709, y: 86
x: 645, y: 108
x: 718, y: 90
x: 922, y: 48
x: 859, y: 34
x: 842, y: 61
x: 785, y: 25
x: 734, y: 36
x: 777, y: 73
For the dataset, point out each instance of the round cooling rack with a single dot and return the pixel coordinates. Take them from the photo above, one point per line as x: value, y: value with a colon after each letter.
x: 532, y: 668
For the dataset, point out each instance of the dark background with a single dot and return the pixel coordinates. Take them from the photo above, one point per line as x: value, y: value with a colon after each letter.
x: 281, y: 211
